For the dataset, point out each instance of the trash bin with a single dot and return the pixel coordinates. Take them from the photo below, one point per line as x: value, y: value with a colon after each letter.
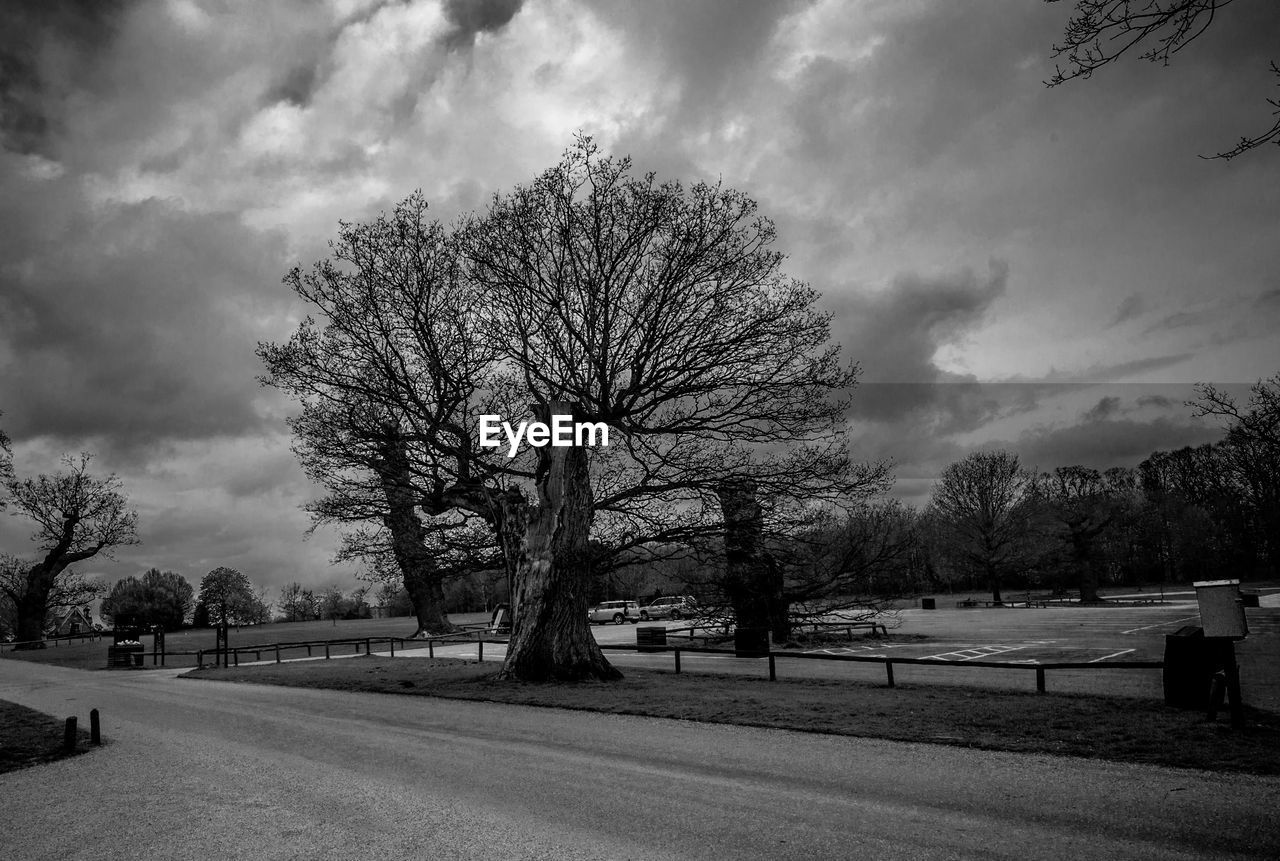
x: 751, y: 642
x: 928, y: 603
x: 125, y: 655
x: 1188, y: 668
x: 651, y: 639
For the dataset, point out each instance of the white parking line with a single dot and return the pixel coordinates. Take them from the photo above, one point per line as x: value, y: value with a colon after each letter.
x: 974, y: 653
x: 1108, y: 657
x: 1161, y: 624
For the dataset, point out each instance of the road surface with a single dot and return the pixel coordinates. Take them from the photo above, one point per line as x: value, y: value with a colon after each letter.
x: 197, y: 769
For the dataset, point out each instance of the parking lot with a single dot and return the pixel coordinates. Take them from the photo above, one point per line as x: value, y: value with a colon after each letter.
x: 1012, y: 635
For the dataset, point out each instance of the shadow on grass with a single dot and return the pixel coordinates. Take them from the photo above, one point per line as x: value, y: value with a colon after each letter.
x: 1120, y: 729
x: 29, y: 737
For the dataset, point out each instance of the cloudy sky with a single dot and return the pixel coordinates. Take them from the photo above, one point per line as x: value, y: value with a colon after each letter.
x: 1047, y: 270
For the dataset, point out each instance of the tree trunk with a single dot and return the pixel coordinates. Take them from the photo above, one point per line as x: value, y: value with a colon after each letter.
x: 422, y: 580
x: 1089, y: 583
x: 510, y: 522
x: 1088, y: 570
x: 551, y: 638
x: 748, y: 583
x: 779, y: 603
x: 426, y: 593
x: 33, y: 605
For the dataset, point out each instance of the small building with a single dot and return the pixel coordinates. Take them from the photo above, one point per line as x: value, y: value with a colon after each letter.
x: 73, y: 621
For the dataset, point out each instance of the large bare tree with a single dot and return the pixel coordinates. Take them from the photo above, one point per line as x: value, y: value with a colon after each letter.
x: 590, y: 293
x: 78, y: 515
x: 1084, y: 504
x: 981, y: 506
x: 662, y: 311
x: 392, y: 381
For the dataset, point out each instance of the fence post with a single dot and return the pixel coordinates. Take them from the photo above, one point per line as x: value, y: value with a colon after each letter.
x: 773, y: 669
x: 479, y: 650
x: 677, y: 651
x: 888, y: 671
x: 431, y: 648
x: 1039, y: 680
x: 95, y: 727
x: 69, y: 735
x: 277, y: 653
x: 235, y: 657
x: 367, y: 649
x: 200, y: 659
x: 326, y: 651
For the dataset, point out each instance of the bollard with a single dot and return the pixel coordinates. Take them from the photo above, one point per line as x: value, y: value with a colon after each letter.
x: 367, y: 649
x: 69, y: 735
x: 277, y: 653
x: 888, y: 671
x: 95, y: 727
x: 200, y: 659
x: 326, y: 651
x: 431, y: 648
x: 235, y: 657
x: 1039, y: 680
x: 392, y: 644
x: 773, y: 669
x: 677, y: 653
x: 479, y: 651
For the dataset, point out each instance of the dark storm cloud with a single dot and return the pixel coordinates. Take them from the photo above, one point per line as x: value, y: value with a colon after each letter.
x: 136, y: 326
x: 1106, y: 443
x: 45, y: 47
x: 472, y: 17
x: 1269, y: 301
x: 711, y: 48
x: 1180, y: 320
x: 1105, y: 373
x: 297, y: 86
x: 1132, y: 306
x: 1103, y: 409
x: 895, y: 334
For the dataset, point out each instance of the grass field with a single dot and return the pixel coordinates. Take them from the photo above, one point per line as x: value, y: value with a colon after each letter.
x: 1113, y: 728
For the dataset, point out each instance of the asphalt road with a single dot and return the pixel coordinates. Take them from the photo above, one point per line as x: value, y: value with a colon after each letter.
x: 200, y: 769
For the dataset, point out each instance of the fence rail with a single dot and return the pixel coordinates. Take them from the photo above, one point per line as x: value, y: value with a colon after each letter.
x: 1040, y: 669
x: 477, y: 634
x: 55, y: 639
x: 470, y: 634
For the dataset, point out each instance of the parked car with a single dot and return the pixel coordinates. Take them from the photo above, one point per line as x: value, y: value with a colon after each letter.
x: 616, y: 612
x: 670, y: 607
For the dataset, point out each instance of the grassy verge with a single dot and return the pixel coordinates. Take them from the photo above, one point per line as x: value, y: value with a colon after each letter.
x: 29, y: 737
x: 1119, y: 729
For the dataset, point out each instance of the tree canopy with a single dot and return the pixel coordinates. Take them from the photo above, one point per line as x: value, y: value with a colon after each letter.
x: 77, y: 516
x: 156, y: 598
x: 228, y: 597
